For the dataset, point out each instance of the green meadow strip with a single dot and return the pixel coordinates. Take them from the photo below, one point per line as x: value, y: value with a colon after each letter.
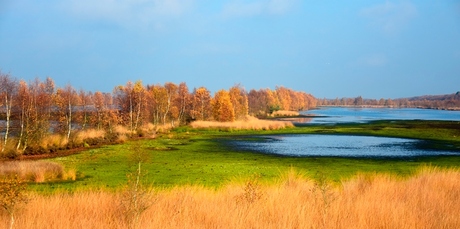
x: 201, y: 157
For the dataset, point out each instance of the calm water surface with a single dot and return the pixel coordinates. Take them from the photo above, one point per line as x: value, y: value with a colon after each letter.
x: 331, y: 115
x: 347, y: 145
x: 311, y: 145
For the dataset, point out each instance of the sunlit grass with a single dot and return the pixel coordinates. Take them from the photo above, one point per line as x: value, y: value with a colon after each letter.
x: 427, y: 199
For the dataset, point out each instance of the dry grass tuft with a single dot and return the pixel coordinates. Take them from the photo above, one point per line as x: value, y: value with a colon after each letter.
x: 36, y: 171
x: 54, y: 140
x: 152, y: 129
x: 429, y: 199
x: 121, y: 130
x: 88, y: 134
x: 250, y: 123
x: 283, y: 113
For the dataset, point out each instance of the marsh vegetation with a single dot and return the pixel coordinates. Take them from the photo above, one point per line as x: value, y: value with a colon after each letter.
x: 427, y: 199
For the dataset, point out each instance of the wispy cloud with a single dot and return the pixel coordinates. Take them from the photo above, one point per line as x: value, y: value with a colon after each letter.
x: 130, y: 12
x: 390, y: 17
x: 238, y: 8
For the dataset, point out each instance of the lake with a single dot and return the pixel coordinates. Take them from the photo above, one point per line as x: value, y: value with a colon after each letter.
x: 332, y: 115
x: 314, y: 145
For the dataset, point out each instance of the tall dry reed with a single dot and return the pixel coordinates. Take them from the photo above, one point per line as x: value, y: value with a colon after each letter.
x: 36, y: 171
x: 285, y: 113
x: 250, y: 123
x: 82, y: 135
x: 54, y: 140
x: 430, y: 199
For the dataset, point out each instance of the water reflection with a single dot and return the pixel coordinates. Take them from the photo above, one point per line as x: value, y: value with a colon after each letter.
x: 337, y: 146
x: 297, y: 120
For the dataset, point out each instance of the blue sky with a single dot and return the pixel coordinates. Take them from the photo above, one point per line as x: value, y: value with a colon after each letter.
x: 375, y: 49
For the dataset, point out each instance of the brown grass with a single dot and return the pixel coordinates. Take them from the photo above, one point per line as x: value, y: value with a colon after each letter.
x: 250, y: 123
x: 283, y: 113
x: 430, y: 199
x: 54, y: 140
x: 81, y: 136
x: 151, y: 129
x: 36, y: 171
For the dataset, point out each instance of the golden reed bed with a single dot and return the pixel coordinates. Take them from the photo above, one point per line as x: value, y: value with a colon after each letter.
x: 429, y: 199
x: 250, y: 123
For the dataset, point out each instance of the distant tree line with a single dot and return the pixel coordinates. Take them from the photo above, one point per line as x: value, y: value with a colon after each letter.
x: 32, y: 111
x: 449, y: 102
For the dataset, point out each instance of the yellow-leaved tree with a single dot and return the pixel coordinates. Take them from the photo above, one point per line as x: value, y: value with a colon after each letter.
x: 201, y: 104
x: 222, y: 107
x: 239, y: 101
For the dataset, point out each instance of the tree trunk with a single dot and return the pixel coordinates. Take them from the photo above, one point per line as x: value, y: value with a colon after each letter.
x: 8, y: 115
x: 131, y: 113
x: 11, y: 220
x: 69, y: 121
x: 138, y: 115
x: 21, y: 133
x: 167, y: 110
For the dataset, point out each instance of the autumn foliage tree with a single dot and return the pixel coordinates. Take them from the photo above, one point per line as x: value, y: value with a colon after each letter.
x: 222, y: 107
x: 100, y: 109
x: 84, y: 103
x: 183, y: 103
x: 201, y: 104
x: 38, y: 111
x: 284, y: 98
x: 239, y: 99
x: 131, y: 99
x: 65, y: 100
x: 158, y: 103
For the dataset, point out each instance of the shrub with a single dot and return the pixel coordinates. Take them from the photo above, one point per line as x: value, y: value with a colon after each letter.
x: 252, y: 191
x: 12, y: 195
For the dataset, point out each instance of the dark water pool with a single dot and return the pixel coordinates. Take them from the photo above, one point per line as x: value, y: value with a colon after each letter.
x: 339, y: 146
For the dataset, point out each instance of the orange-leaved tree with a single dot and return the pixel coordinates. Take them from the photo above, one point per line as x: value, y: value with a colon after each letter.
x: 183, y: 101
x: 239, y: 99
x: 222, y: 107
x: 65, y: 100
x: 201, y: 104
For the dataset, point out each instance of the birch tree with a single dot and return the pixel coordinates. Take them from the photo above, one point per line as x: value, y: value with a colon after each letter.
x: 8, y: 90
x: 239, y: 101
x: 183, y: 102
x: 171, y: 94
x: 201, y: 104
x: 65, y: 100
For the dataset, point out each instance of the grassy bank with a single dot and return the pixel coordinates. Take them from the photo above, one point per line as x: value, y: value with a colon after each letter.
x: 200, y: 157
x: 428, y: 199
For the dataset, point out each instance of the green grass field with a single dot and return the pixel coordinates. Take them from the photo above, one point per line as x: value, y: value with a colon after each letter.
x: 199, y: 157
